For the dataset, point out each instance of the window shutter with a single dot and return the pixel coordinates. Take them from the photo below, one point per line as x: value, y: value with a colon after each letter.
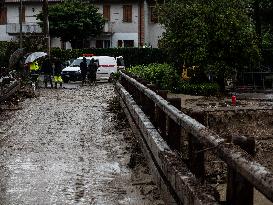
x: 127, y: 13
x: 3, y: 15
x: 106, y: 12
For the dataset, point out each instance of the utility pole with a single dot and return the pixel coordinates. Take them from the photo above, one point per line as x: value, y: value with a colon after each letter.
x: 46, y: 25
x: 21, y: 26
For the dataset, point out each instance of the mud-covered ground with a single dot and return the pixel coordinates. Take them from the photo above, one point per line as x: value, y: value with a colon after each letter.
x: 252, y: 116
x: 67, y: 146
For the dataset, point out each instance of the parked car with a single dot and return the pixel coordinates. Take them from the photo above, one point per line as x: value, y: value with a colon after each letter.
x: 106, y: 66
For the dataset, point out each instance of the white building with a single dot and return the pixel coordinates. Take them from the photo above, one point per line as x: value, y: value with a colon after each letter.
x: 130, y: 24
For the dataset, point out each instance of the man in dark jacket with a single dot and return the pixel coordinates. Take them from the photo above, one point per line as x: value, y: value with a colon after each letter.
x: 83, y: 67
x: 48, y: 72
x: 92, y: 72
x: 58, y: 67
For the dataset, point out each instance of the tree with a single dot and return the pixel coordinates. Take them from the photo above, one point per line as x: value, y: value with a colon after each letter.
x: 73, y: 21
x: 216, y: 35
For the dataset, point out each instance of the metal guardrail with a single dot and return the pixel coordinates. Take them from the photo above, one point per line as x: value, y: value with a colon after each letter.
x: 240, y: 164
x: 169, y: 172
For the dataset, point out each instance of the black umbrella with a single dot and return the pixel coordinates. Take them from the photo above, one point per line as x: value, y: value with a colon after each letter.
x: 15, y: 57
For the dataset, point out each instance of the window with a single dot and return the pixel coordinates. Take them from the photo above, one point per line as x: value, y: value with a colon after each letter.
x: 106, y: 12
x: 3, y: 15
x: 127, y: 13
x: 23, y: 14
x: 106, y: 43
x: 128, y: 43
x: 153, y: 15
x: 99, y: 43
x: 102, y: 43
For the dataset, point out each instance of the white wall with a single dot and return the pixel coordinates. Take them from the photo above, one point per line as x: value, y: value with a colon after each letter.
x: 3, y: 34
x: 121, y: 30
x: 116, y: 18
x: 155, y: 34
x: 31, y: 11
x: 12, y: 14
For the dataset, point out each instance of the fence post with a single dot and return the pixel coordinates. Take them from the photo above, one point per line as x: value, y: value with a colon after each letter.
x: 160, y: 116
x: 239, y: 190
x: 174, y: 130
x: 196, y: 157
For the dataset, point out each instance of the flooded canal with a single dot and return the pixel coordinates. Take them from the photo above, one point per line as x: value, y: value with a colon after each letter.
x: 62, y: 148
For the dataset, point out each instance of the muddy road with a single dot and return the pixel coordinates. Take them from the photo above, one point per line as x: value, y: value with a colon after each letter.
x: 64, y: 147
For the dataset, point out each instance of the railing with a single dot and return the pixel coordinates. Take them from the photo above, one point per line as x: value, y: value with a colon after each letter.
x: 14, y: 28
x: 175, y: 127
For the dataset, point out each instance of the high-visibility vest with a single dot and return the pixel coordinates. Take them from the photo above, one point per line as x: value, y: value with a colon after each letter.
x: 34, y: 66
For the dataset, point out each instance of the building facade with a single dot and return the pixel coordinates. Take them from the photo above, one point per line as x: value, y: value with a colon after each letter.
x: 128, y: 24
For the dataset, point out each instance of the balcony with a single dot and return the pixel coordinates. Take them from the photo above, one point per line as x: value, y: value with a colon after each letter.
x: 30, y: 27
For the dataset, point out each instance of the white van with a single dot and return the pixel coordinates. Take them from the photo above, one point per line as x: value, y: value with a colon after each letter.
x: 106, y: 66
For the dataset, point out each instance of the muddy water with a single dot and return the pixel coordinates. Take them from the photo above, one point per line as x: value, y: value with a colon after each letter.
x: 62, y: 148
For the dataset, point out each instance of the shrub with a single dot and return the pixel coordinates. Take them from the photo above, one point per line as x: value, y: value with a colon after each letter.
x: 163, y: 75
x: 166, y: 77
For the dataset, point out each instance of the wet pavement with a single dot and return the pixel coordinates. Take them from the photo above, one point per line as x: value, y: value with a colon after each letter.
x: 62, y: 148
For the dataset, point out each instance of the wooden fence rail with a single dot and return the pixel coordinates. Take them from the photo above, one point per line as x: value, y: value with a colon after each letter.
x: 174, y: 126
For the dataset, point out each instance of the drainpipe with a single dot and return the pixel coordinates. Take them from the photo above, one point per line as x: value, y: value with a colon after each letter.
x: 145, y: 11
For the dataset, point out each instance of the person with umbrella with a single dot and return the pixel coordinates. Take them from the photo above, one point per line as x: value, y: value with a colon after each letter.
x: 34, y: 73
x: 16, y: 62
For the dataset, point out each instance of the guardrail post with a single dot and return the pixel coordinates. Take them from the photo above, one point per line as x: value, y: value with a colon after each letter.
x: 196, y: 157
x: 150, y: 103
x: 239, y: 190
x: 174, y: 130
x: 160, y: 116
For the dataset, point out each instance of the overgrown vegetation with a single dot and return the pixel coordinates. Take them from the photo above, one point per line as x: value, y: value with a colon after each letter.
x: 218, y: 36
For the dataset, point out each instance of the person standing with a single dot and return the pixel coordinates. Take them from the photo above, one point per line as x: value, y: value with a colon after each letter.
x: 47, y: 69
x: 83, y: 67
x: 34, y: 73
x: 92, y: 75
x: 57, y: 72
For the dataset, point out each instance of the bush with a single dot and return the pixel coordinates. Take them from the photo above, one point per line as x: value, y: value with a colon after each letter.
x: 165, y: 76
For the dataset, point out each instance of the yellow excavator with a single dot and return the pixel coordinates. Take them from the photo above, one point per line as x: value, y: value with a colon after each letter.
x: 187, y: 72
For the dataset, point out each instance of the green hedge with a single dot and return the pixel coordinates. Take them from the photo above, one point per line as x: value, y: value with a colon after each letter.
x: 132, y: 56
